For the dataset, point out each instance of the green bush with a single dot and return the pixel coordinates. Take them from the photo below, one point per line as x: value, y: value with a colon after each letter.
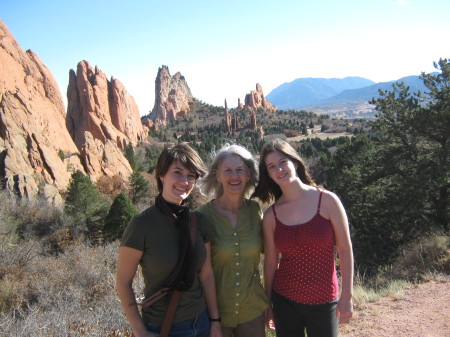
x: 120, y: 213
x: 85, y: 205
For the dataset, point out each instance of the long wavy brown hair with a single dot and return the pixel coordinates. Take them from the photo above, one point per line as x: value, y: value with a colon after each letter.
x: 267, y: 190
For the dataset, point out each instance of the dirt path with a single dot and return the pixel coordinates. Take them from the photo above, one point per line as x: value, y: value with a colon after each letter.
x: 420, y: 311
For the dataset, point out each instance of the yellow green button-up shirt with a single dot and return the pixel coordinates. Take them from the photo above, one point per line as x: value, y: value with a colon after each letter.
x: 235, y: 254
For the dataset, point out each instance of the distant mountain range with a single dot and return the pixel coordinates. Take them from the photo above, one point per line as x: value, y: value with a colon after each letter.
x: 304, y: 93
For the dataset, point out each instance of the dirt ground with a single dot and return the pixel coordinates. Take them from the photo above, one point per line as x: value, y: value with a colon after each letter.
x: 419, y: 311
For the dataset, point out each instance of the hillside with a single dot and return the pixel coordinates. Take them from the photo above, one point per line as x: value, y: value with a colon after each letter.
x: 325, y: 95
x: 303, y: 92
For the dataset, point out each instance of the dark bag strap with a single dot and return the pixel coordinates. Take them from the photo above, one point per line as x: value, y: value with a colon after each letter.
x: 174, y: 274
x: 172, y: 308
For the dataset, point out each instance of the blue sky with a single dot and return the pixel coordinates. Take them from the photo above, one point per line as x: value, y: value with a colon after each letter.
x: 223, y: 48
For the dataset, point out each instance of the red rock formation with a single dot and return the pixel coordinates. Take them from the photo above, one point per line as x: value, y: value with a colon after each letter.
x: 227, y: 118
x: 37, y: 153
x: 101, y: 107
x: 255, y: 99
x: 103, y: 159
x: 147, y: 122
x: 240, y: 105
x: 172, y: 97
x: 32, y: 122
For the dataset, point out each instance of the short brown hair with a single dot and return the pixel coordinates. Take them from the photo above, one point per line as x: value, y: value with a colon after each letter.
x: 267, y: 190
x: 182, y: 153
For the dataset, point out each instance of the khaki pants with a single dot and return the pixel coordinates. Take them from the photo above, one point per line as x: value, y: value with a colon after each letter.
x: 253, y: 328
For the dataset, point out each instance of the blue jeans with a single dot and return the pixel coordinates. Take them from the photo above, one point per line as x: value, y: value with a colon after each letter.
x: 196, y: 327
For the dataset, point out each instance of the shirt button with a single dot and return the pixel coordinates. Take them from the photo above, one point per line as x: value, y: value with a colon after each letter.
x: 237, y: 263
x: 237, y: 304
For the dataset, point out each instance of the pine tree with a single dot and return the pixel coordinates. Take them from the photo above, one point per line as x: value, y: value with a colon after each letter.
x: 120, y: 213
x: 84, y: 203
x: 131, y: 157
x: 138, y: 187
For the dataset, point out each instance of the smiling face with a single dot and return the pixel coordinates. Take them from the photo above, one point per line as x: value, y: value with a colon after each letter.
x: 233, y: 175
x: 177, y: 183
x: 281, y: 168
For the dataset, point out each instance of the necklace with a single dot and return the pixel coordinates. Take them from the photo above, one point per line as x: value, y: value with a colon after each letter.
x: 228, y: 209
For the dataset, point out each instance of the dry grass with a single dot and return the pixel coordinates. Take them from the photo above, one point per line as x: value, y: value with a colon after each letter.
x: 52, y: 283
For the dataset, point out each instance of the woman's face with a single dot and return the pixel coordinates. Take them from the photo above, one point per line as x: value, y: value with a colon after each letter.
x: 178, y: 183
x: 233, y: 175
x: 280, y: 167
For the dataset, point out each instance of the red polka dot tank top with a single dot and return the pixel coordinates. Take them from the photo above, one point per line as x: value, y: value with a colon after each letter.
x: 307, y: 272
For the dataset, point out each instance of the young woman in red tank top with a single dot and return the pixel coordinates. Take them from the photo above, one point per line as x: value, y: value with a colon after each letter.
x: 301, y: 230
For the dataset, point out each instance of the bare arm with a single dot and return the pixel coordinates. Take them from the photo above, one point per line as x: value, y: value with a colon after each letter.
x: 128, y: 262
x: 209, y: 288
x: 271, y: 259
x: 338, y: 218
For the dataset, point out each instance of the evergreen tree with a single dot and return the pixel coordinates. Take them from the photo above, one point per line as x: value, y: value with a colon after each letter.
x: 84, y: 203
x: 395, y: 185
x: 129, y: 154
x: 139, y: 187
x: 120, y: 213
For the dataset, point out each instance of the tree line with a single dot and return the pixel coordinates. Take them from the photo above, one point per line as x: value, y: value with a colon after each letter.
x: 393, y: 181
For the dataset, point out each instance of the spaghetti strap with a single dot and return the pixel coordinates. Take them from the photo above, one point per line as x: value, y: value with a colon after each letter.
x: 274, y: 212
x: 320, y: 201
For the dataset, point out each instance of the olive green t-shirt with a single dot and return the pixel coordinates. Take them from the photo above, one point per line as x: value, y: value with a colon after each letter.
x: 153, y: 233
x: 235, y: 254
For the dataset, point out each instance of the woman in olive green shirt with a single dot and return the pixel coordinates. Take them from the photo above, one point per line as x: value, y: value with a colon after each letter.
x: 157, y: 239
x: 237, y: 243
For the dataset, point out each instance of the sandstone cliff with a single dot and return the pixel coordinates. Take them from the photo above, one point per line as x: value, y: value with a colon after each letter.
x: 101, y: 107
x: 32, y: 123
x: 37, y: 153
x: 172, y: 97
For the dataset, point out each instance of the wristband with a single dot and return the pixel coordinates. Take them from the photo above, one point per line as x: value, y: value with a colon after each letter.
x: 218, y: 319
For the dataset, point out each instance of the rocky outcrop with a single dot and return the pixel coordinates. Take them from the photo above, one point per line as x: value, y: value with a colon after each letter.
x: 37, y: 153
x: 240, y: 105
x: 255, y: 99
x: 147, y: 122
x: 103, y: 159
x: 33, y: 135
x: 172, y: 97
x: 101, y: 107
x: 228, y: 127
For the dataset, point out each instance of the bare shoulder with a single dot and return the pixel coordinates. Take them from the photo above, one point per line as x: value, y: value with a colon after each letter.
x: 268, y: 213
x: 330, y: 197
x: 330, y: 202
x: 268, y: 217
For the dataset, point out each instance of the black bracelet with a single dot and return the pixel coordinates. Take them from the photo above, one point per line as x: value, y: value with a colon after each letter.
x: 218, y: 319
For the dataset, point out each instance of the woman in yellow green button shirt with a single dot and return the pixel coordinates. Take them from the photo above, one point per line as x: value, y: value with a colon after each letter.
x: 237, y: 244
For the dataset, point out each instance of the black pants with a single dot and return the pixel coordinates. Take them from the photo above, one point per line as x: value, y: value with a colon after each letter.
x: 291, y: 318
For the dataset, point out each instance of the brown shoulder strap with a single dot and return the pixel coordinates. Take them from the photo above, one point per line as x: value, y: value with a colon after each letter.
x: 172, y: 308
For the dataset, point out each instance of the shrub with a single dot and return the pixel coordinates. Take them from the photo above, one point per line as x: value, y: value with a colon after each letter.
x: 120, y: 213
x: 85, y: 205
x: 425, y: 255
